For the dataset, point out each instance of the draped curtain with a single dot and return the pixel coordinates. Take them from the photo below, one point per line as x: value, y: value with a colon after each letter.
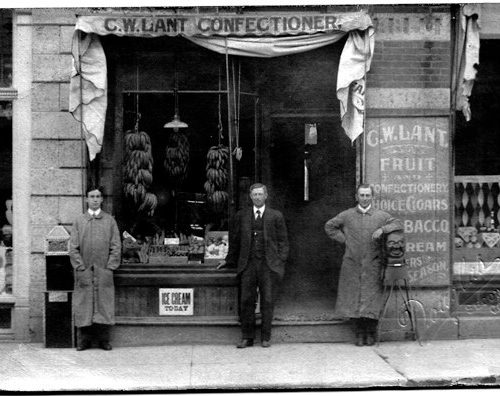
x: 88, y: 85
x: 468, y: 55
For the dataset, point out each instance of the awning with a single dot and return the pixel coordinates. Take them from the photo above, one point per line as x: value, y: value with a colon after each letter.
x: 255, y: 35
x: 222, y: 24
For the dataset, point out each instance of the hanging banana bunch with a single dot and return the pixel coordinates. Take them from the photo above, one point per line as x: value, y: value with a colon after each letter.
x: 217, y: 177
x: 138, y: 171
x: 177, y: 156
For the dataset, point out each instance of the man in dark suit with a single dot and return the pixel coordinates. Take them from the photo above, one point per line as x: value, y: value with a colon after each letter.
x: 258, y: 247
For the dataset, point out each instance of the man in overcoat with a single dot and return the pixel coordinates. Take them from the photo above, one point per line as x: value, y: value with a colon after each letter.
x: 258, y: 248
x: 95, y: 251
x: 360, y: 293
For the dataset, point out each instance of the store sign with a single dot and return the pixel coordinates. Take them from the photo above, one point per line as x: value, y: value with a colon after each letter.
x: 58, y: 296
x: 408, y: 163
x: 222, y: 24
x: 175, y: 302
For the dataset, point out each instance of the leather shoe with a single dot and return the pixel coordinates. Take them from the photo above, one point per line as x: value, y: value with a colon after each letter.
x: 82, y: 346
x: 266, y: 344
x: 105, y: 345
x: 360, y: 339
x: 370, y: 339
x: 245, y: 342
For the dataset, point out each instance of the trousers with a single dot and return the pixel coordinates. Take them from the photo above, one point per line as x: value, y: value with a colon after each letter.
x: 257, y: 275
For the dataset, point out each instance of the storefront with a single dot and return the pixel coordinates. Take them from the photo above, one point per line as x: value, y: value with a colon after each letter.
x: 286, y: 86
x: 476, y: 184
x: 161, y: 65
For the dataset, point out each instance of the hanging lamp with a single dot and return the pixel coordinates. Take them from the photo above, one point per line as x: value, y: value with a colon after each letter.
x: 176, y: 122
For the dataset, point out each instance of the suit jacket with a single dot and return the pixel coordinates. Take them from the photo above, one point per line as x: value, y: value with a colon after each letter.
x: 275, y: 240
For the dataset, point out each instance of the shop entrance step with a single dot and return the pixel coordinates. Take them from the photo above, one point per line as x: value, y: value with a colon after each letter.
x: 221, y: 330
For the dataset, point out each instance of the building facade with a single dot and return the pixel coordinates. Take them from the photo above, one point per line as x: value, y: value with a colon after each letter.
x: 429, y: 166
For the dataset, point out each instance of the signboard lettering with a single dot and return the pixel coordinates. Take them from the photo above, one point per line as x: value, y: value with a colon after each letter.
x: 222, y: 24
x: 408, y: 166
x: 176, y: 301
x: 218, y: 24
x: 58, y: 296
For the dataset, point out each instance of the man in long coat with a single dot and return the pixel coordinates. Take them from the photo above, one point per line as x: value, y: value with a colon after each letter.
x: 95, y: 252
x: 258, y: 247
x: 360, y: 291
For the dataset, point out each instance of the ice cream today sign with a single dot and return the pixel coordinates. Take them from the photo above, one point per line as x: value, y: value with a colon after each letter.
x: 176, y: 301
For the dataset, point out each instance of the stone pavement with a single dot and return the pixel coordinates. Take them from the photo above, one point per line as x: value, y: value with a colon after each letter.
x: 31, y: 367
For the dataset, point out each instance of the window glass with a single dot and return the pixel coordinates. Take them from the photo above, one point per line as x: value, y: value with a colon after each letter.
x: 6, y: 198
x: 5, y: 47
x: 477, y: 164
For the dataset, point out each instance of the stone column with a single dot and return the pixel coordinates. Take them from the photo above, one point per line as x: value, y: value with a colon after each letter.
x: 21, y: 132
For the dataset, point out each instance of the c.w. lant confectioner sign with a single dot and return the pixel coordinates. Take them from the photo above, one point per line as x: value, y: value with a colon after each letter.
x: 221, y: 24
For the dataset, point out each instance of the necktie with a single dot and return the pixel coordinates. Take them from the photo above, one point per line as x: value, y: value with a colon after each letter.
x: 258, y: 215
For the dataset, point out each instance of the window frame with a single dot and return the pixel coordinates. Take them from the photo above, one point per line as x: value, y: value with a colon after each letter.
x: 9, y: 94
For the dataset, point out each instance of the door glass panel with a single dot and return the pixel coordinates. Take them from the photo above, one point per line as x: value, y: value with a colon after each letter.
x: 6, y: 198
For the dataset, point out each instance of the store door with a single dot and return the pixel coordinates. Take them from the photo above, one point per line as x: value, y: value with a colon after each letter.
x: 309, y: 288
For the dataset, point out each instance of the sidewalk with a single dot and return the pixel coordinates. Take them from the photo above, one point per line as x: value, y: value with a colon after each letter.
x: 31, y: 367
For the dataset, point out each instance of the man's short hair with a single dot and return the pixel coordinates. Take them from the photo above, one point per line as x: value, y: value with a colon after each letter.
x: 93, y: 187
x: 366, y: 185
x: 258, y: 185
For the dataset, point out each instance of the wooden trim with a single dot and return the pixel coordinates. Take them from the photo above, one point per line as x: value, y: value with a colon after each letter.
x: 161, y: 276
x: 8, y: 94
x: 178, y: 321
x: 477, y: 179
x: 7, y: 300
x: 307, y: 115
x: 401, y: 113
x: 476, y: 282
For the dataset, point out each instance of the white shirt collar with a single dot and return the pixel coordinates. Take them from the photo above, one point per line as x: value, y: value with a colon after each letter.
x: 94, y: 213
x: 261, y: 210
x: 364, y: 210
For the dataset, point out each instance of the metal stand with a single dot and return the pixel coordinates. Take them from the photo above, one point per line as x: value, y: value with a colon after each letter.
x: 394, y: 277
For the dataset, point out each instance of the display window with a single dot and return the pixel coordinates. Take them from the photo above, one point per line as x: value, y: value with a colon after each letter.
x: 7, y: 94
x: 477, y: 191
x: 6, y: 199
x: 5, y: 48
x: 166, y: 151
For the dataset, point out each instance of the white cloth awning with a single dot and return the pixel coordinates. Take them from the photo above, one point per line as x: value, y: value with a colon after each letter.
x: 248, y: 35
x: 468, y: 55
x: 248, y: 24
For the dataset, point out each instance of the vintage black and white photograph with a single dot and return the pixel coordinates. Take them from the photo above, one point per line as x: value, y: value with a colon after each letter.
x: 241, y: 197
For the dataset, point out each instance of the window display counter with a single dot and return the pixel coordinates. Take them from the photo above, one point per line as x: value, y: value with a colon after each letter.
x: 476, y: 280
x: 476, y: 256
x: 161, y: 294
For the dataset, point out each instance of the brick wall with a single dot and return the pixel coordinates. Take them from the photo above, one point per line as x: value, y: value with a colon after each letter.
x: 411, y: 64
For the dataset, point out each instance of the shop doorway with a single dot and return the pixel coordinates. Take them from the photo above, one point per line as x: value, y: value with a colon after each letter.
x: 297, y: 90
x: 310, y: 285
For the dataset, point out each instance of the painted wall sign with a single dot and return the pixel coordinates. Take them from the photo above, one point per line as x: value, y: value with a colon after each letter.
x: 222, y: 24
x: 408, y: 164
x: 176, y: 301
